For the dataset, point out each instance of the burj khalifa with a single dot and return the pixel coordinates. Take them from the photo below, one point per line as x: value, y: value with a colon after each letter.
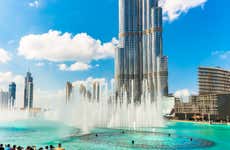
x: 139, y: 60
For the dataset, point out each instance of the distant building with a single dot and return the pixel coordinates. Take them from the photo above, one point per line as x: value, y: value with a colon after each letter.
x: 69, y: 90
x: 213, y: 101
x: 164, y: 75
x: 28, y: 91
x: 204, y: 107
x: 4, y: 99
x: 213, y: 80
x: 12, y: 94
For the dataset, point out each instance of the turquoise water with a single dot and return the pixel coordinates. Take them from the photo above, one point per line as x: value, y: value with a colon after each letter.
x: 175, y: 135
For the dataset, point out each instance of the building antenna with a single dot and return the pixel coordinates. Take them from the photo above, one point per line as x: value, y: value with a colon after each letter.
x: 28, y: 67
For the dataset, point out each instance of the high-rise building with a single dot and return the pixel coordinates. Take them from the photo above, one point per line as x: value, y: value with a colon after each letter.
x: 213, y: 80
x: 139, y: 61
x: 4, y: 99
x: 12, y: 94
x: 69, y: 90
x: 28, y: 91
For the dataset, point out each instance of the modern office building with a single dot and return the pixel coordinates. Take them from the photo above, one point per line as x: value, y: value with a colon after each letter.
x: 139, y: 61
x: 12, y: 94
x: 28, y: 91
x: 4, y: 99
x: 69, y: 90
x: 213, y: 80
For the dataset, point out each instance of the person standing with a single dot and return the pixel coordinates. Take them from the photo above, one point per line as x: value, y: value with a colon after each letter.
x: 59, y: 147
x: 1, y: 147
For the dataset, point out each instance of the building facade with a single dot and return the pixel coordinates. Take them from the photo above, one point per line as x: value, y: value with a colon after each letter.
x: 204, y: 107
x: 139, y: 61
x: 12, y: 94
x: 213, y: 101
x: 213, y: 80
x: 28, y: 91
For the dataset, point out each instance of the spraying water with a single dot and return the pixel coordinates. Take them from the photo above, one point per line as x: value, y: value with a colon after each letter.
x: 94, y: 105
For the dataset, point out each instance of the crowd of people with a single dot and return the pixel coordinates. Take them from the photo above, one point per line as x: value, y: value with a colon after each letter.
x: 15, y: 147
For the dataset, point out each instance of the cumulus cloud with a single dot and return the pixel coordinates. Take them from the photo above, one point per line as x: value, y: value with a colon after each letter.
x: 40, y: 64
x: 172, y: 9
x: 78, y: 66
x: 183, y: 94
x: 55, y: 46
x: 4, y: 56
x: 34, y: 4
x: 89, y: 81
x: 222, y: 54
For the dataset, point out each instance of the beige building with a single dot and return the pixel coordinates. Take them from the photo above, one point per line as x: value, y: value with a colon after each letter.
x: 213, y: 80
x: 204, y: 107
x: 213, y: 101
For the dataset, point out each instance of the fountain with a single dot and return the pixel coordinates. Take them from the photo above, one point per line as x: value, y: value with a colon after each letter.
x: 95, y: 104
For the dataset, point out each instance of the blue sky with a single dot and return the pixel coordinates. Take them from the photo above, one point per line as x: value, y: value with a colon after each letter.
x: 195, y: 33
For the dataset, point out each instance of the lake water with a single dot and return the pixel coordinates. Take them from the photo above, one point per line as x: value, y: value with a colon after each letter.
x: 175, y: 135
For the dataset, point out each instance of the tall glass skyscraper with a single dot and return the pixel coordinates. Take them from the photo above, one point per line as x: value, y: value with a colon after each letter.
x: 139, y: 61
x: 12, y: 93
x: 28, y: 91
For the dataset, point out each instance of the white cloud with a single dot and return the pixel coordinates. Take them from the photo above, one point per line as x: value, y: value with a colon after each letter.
x: 97, y: 65
x: 10, y: 42
x: 78, y: 66
x: 184, y: 94
x: 4, y: 56
x: 34, y: 4
x: 89, y: 81
x: 172, y: 9
x: 222, y: 54
x: 57, y: 47
x: 40, y: 64
x: 63, y: 67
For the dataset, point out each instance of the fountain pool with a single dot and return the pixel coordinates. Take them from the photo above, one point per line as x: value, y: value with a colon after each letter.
x: 175, y: 135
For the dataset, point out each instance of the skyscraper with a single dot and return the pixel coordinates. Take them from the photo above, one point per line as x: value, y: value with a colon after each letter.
x: 139, y: 61
x: 28, y: 92
x: 12, y: 94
